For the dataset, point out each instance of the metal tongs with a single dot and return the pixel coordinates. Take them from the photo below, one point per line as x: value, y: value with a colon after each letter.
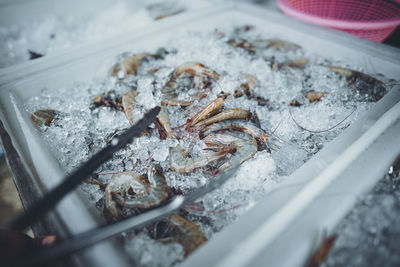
x: 91, y: 237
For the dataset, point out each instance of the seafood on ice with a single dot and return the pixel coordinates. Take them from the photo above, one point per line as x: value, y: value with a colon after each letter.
x: 227, y: 99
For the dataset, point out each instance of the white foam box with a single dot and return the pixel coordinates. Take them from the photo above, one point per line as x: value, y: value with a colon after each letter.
x: 281, y: 229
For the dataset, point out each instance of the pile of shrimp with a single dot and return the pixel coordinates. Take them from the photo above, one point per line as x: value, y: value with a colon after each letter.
x: 213, y: 117
x: 229, y: 136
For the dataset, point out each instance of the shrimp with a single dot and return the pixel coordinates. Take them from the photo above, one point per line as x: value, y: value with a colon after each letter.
x: 155, y: 191
x: 195, y: 69
x: 298, y: 63
x: 218, y: 140
x: 241, y: 148
x: 241, y: 43
x: 120, y: 185
x: 252, y: 47
x: 128, y: 103
x: 372, y: 89
x: 243, y: 88
x: 131, y: 64
x: 313, y: 96
x: 200, y: 75
x: 175, y: 102
x: 44, y: 117
x: 295, y: 64
x: 235, y: 113
x: 238, y: 92
x: 214, y: 106
x: 241, y: 126
x: 109, y: 99
x: 295, y: 103
x: 246, y: 87
x: 244, y: 150
x: 180, y: 161
x: 189, y: 234
x: 348, y: 73
x: 283, y: 45
x: 163, y: 125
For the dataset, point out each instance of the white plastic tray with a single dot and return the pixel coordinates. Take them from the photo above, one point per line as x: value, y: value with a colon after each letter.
x: 279, y: 231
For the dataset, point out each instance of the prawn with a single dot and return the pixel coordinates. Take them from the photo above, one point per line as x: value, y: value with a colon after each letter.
x: 246, y: 87
x: 370, y: 87
x: 45, y: 117
x: 200, y: 75
x: 241, y: 126
x: 189, y: 234
x: 314, y: 96
x: 180, y: 161
x: 235, y: 113
x: 242, y: 148
x: 163, y: 125
x: 120, y: 184
x: 128, y: 104
x: 211, y: 108
x: 131, y: 64
x: 147, y: 193
x: 153, y: 191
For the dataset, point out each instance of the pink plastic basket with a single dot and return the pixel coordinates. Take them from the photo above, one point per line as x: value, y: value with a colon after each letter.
x: 370, y: 19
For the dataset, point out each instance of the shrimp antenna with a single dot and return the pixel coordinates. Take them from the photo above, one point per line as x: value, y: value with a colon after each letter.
x: 320, y: 131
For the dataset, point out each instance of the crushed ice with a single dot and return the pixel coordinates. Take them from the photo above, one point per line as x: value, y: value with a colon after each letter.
x: 369, y: 234
x: 82, y: 130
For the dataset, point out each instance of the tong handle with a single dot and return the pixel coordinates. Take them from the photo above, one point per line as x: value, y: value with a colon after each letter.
x: 99, y: 234
x: 91, y: 237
